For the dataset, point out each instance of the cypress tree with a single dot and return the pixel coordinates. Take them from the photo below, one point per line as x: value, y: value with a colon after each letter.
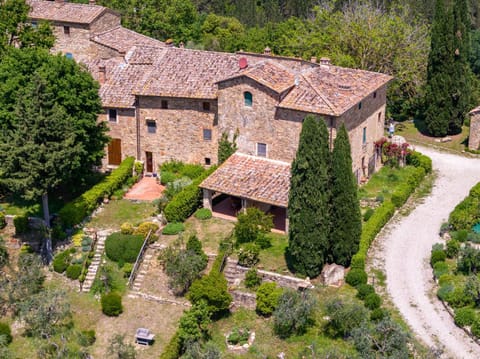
x: 462, y: 74
x: 309, y: 200
x: 346, y: 222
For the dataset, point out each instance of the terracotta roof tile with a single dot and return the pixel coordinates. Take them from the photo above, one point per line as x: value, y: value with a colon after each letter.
x: 256, y: 178
x: 122, y: 39
x: 332, y: 90
x: 64, y: 12
x: 475, y: 111
x: 189, y: 73
x: 269, y: 74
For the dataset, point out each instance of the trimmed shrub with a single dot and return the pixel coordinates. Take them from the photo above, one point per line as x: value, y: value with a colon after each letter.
x: 358, y: 261
x: 74, y: 271
x: 439, y: 269
x: 373, y: 301
x: 21, y: 224
x: 252, y: 279
x: 173, y: 228
x: 417, y: 159
x: 173, y: 348
x: 5, y: 331
x: 127, y: 269
x: 356, y: 277
x: 363, y: 290
x: 248, y: 255
x: 453, y: 247
x: 112, y: 304
x: 437, y: 256
x: 446, y: 279
x: 74, y: 212
x: 3, y: 222
x: 476, y: 328
x: 252, y: 224
x: 401, y: 194
x: 185, y: 203
x: 167, y: 177
x: 465, y: 316
x: 126, y: 228
x: 444, y: 291
x: 213, y: 289
x: 460, y: 236
x: 458, y: 298
x: 203, y: 214
x: 61, y: 261
x: 465, y: 214
x: 368, y: 213
x: 267, y: 298
x: 146, y: 227
x: 378, y: 314
x: 87, y: 338
x: 123, y: 247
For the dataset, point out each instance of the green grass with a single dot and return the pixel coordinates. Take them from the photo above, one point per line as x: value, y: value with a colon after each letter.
x: 416, y: 132
x: 210, y: 231
x: 117, y: 212
x: 273, y: 258
x: 384, y: 182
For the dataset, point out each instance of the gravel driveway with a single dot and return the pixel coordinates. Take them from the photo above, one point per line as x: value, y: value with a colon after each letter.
x: 403, y: 250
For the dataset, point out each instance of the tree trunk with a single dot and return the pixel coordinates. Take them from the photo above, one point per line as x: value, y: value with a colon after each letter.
x: 47, y: 244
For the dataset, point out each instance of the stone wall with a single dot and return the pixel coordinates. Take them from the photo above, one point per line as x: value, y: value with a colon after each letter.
x: 179, y: 130
x: 243, y: 300
x: 108, y: 20
x: 474, y: 137
x: 124, y: 129
x: 77, y: 42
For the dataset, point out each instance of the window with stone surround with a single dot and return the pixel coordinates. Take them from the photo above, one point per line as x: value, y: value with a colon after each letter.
x: 208, y: 161
x: 164, y: 104
x: 261, y: 149
x: 112, y: 115
x: 66, y: 30
x: 248, y: 98
x: 206, y: 106
x: 207, y: 134
x: 364, y: 136
x: 151, y: 126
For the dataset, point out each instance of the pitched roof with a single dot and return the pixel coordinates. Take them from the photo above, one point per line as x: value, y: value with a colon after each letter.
x: 64, y: 12
x: 188, y: 73
x: 256, y: 178
x: 332, y: 90
x: 269, y: 74
x: 475, y: 111
x: 122, y: 39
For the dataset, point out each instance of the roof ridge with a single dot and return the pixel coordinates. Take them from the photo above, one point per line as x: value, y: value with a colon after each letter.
x: 262, y: 159
x: 329, y: 104
x: 105, y: 32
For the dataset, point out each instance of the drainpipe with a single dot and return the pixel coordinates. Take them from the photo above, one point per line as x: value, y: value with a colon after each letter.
x: 137, y: 123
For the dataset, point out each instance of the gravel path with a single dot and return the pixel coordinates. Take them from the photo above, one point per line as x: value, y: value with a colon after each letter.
x: 403, y: 250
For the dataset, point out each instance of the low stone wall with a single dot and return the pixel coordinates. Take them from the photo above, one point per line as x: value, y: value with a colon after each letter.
x: 243, y: 300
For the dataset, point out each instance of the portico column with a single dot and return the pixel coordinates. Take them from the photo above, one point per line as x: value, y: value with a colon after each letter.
x: 287, y: 222
x: 207, y: 199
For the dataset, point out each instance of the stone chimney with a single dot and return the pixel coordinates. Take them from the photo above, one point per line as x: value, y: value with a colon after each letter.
x: 60, y: 1
x: 181, y: 45
x: 267, y: 51
x: 325, y: 61
x: 92, y: 2
x: 313, y: 59
x: 102, y: 74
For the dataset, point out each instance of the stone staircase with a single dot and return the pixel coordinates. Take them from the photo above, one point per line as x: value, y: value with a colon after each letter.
x: 96, y: 260
x: 150, y: 254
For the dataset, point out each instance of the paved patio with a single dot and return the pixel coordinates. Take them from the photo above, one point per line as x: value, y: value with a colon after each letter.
x: 147, y: 189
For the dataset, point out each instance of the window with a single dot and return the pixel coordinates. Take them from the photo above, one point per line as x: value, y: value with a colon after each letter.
x: 379, y: 117
x: 375, y: 94
x: 207, y: 134
x: 34, y: 24
x: 206, y: 106
x: 151, y: 126
x: 208, y: 161
x: 364, y: 137
x: 247, y: 96
x: 164, y: 104
x: 359, y: 105
x: 69, y: 55
x: 261, y: 150
x: 66, y: 30
x: 112, y: 115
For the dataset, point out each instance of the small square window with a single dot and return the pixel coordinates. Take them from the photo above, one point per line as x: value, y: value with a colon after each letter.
x: 206, y: 106
x: 34, y: 24
x: 261, y: 150
x: 207, y: 134
x: 151, y: 126
x: 359, y: 105
x: 375, y: 94
x: 164, y: 104
x: 69, y: 55
x: 112, y: 115
x: 208, y: 161
x: 66, y: 30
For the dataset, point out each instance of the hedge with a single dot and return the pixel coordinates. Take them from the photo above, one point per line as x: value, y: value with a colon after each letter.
x: 419, y: 160
x: 112, y: 304
x: 465, y: 214
x: 74, y: 271
x: 123, y: 247
x: 404, y: 190
x: 74, y: 212
x: 172, y: 350
x: 186, y: 202
x: 465, y: 316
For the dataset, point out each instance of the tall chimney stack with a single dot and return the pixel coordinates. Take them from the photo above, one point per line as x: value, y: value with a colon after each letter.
x: 60, y: 1
x: 92, y: 2
x: 102, y: 74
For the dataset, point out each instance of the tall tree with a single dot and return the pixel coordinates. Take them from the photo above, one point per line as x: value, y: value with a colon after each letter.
x: 50, y: 135
x: 438, y: 96
x: 308, y: 200
x: 345, y: 208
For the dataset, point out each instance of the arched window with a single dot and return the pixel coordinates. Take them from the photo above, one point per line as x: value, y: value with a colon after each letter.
x: 247, y: 96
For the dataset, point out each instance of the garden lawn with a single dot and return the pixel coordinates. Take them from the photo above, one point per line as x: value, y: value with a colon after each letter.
x: 414, y: 133
x: 117, y: 212
x: 273, y: 258
x: 209, y: 231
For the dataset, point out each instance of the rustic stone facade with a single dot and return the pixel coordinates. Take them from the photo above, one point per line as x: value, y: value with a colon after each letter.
x: 474, y: 137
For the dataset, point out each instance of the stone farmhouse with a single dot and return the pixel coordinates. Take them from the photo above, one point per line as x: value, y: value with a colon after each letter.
x: 474, y: 136
x: 162, y: 103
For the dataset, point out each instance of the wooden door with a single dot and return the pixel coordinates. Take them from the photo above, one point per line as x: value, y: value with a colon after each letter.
x: 115, y: 152
x: 149, y: 161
